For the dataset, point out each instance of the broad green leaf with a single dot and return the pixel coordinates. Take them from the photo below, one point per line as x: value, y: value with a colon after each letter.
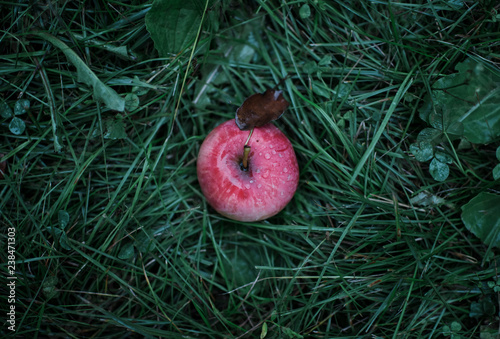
x: 325, y: 61
x: 127, y: 251
x: 173, y: 24
x: 49, y: 287
x: 274, y: 315
x: 115, y: 129
x: 470, y: 97
x: 139, y: 87
x: 498, y: 153
x: 343, y: 90
x: 439, y: 119
x: 263, y: 332
x: 305, y: 11
x: 422, y: 151
x: 54, y: 231
x: 21, y: 106
x: 455, y: 130
x: 430, y: 135
x: 409, y: 97
x: 5, y: 110
x: 496, y: 172
x: 489, y: 333
x: 484, y: 308
x: 242, y: 52
x: 240, y: 267
x: 481, y: 216
x: 137, y: 90
x: 443, y: 157
x: 291, y: 333
x: 121, y: 51
x: 63, y: 241
x: 59, y: 235
x: 102, y: 92
x: 131, y: 102
x: 144, y: 242
x: 442, y: 119
x: 322, y: 90
x: 63, y: 218
x: 310, y: 67
x: 426, y: 199
x: 455, y: 326
x: 439, y: 170
x: 17, y: 126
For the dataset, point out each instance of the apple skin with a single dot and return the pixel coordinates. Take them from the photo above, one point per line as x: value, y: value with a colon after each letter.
x: 258, y: 193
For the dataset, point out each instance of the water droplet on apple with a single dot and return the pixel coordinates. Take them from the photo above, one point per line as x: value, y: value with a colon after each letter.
x: 274, y: 152
x: 259, y: 186
x: 285, y: 169
x: 266, y: 174
x: 247, y: 186
x: 267, y: 156
x: 251, y: 181
x: 282, y: 193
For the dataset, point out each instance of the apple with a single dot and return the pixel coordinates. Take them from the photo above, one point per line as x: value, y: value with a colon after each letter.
x: 254, y: 193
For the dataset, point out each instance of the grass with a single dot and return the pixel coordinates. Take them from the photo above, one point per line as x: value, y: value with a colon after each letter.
x: 143, y: 255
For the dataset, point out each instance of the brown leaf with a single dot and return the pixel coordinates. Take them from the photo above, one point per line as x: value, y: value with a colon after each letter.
x: 259, y: 109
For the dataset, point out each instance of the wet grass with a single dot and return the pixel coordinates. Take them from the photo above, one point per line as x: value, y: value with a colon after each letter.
x: 143, y: 255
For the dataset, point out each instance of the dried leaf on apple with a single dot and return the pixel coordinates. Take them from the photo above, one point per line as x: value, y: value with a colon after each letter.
x: 260, y: 109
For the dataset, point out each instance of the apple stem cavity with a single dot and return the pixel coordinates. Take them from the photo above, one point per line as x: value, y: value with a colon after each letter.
x: 246, y: 153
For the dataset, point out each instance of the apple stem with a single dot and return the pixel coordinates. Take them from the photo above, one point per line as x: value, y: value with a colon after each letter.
x: 249, y: 136
x: 246, y: 153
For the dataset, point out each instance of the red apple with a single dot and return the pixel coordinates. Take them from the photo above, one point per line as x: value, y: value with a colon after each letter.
x: 257, y: 193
